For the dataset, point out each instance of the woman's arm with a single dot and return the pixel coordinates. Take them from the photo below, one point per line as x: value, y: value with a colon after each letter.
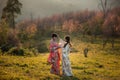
x: 57, y: 48
x: 54, y: 48
x: 61, y: 43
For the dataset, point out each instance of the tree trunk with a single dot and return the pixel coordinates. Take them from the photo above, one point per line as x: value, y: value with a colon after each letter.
x: 13, y: 20
x: 105, y: 42
x: 112, y: 42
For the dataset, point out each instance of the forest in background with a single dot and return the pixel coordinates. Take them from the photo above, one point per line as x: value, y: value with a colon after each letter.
x: 33, y: 34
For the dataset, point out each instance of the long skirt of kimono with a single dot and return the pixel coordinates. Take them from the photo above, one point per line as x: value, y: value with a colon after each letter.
x: 54, y: 59
x: 66, y: 66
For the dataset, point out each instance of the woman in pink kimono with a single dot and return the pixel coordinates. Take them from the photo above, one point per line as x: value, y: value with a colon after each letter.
x: 54, y: 56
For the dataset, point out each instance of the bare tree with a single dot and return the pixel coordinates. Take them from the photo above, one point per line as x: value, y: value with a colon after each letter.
x: 105, y: 6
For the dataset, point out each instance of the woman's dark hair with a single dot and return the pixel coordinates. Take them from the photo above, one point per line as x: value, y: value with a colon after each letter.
x: 54, y: 35
x: 67, y: 38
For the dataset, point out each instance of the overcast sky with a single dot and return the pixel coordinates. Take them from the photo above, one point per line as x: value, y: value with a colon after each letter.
x: 43, y: 8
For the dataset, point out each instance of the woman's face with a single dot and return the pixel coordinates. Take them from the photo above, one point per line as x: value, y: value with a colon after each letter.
x: 55, y: 38
x: 65, y: 39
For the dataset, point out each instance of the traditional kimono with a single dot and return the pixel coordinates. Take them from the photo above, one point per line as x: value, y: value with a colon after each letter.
x: 66, y: 65
x: 54, y: 58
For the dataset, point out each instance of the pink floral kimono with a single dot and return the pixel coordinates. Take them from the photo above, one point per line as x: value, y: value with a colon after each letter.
x: 54, y: 58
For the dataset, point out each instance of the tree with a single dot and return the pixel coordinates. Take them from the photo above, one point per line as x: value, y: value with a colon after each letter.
x: 31, y: 30
x: 111, y: 27
x: 95, y: 25
x: 2, y: 3
x: 103, y: 5
x: 11, y: 10
x: 70, y: 25
x: 3, y: 32
x: 8, y: 37
x: 105, y: 8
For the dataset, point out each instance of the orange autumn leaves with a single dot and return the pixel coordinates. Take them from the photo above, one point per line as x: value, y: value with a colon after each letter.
x: 31, y: 30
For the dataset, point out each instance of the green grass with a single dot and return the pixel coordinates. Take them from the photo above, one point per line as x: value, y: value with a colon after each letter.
x: 95, y: 67
x: 101, y: 64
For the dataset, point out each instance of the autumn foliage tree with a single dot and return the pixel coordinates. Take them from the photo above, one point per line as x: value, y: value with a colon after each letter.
x: 111, y: 27
x: 8, y: 37
x: 70, y: 25
x: 92, y: 23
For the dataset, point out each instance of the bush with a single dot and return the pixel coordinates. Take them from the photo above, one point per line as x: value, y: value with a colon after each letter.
x: 31, y: 52
x: 0, y: 52
x: 5, y: 47
x: 11, y: 41
x: 22, y: 52
x: 8, y: 37
x: 42, y: 47
x: 35, y: 51
x: 16, y: 51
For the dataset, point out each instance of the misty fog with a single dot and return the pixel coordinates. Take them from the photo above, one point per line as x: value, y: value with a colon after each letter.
x: 44, y: 8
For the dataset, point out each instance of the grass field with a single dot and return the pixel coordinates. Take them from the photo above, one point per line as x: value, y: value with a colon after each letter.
x: 101, y: 64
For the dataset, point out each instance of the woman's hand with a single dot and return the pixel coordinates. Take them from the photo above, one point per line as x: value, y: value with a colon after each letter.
x: 57, y: 47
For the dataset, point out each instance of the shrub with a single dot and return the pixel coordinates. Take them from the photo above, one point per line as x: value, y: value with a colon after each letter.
x: 0, y: 52
x: 6, y: 47
x: 8, y: 37
x: 16, y: 51
x: 35, y: 51
x: 22, y: 52
x: 42, y: 47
